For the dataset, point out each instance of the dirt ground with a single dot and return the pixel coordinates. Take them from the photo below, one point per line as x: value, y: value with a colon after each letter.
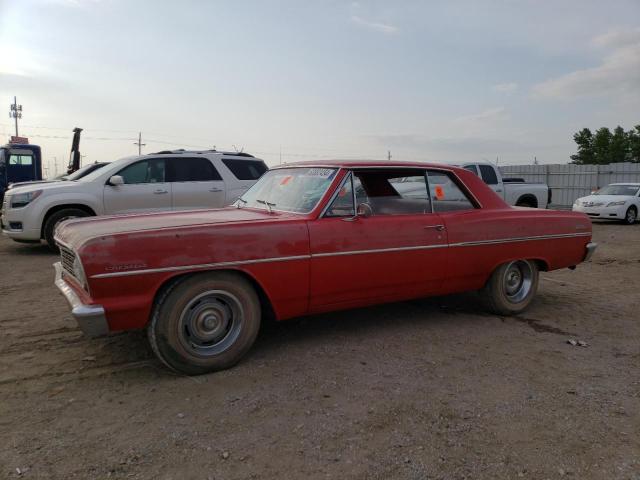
x: 427, y: 389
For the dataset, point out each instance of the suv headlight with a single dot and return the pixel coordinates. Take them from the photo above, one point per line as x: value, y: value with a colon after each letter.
x: 615, y: 204
x: 19, y: 200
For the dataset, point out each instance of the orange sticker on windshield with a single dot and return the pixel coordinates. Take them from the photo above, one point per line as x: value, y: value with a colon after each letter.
x: 439, y: 192
x: 286, y: 180
x: 343, y: 192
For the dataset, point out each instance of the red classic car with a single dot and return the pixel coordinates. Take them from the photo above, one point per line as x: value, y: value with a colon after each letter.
x: 307, y: 238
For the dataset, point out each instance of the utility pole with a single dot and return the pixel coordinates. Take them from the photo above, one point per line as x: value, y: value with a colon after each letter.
x: 388, y: 155
x: 139, y: 143
x: 15, y: 112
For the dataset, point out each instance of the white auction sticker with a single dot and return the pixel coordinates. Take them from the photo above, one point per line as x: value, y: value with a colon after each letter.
x: 319, y: 172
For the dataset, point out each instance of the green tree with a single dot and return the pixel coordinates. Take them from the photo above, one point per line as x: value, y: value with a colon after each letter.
x: 602, y: 146
x: 585, y: 155
x: 619, y: 146
x: 633, y: 140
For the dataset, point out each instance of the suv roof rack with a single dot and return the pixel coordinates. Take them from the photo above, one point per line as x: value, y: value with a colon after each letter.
x: 182, y: 150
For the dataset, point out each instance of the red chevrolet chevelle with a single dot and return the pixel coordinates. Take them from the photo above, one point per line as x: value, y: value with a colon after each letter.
x: 307, y: 238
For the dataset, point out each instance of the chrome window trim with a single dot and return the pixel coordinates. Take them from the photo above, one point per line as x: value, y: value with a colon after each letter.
x: 331, y: 254
x: 334, y: 195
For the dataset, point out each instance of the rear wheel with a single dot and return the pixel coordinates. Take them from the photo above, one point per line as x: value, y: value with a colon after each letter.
x: 511, y: 287
x: 55, y: 219
x: 205, y: 323
x: 631, y: 216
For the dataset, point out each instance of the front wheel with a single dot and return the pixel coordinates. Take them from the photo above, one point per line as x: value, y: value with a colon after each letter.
x: 56, y: 219
x: 631, y: 216
x: 205, y: 323
x: 511, y: 287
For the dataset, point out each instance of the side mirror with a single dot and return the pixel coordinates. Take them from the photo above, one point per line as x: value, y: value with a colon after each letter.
x: 364, y: 210
x: 116, y: 180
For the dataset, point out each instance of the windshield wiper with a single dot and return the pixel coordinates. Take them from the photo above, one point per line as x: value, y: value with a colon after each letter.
x: 240, y: 200
x: 268, y: 204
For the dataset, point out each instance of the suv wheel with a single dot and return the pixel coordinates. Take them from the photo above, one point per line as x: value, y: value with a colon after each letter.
x: 55, y: 219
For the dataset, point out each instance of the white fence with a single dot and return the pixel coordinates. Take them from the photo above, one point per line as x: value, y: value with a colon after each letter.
x: 569, y: 182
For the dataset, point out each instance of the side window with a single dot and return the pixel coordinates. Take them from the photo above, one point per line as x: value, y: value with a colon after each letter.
x: 146, y: 171
x: 191, y: 169
x: 342, y: 205
x: 20, y: 159
x: 471, y: 168
x: 445, y: 193
x: 489, y: 174
x: 392, y: 192
x: 245, y: 169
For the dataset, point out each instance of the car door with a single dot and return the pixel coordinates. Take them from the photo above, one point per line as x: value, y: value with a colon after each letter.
x: 195, y: 183
x: 399, y: 251
x: 145, y: 188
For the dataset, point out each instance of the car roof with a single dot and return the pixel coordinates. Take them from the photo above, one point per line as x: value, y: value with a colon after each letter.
x: 629, y: 184
x: 365, y: 163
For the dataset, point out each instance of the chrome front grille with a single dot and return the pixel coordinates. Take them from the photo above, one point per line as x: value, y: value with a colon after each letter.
x: 67, y: 257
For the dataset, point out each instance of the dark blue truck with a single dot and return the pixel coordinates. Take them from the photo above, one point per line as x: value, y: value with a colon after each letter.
x: 19, y: 162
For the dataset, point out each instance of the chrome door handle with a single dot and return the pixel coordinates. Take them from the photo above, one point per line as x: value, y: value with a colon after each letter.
x: 439, y: 228
x: 215, y: 189
x: 160, y: 192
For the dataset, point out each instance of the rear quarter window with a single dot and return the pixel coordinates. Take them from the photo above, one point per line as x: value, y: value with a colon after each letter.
x: 192, y: 169
x: 245, y: 169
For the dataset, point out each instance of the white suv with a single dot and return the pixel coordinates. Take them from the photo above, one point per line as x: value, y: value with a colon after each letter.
x: 169, y: 180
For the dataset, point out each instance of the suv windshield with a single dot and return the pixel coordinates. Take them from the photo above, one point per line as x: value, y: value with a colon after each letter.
x: 289, y: 189
x: 629, y: 190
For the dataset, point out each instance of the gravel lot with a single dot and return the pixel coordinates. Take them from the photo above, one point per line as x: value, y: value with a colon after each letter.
x: 423, y: 389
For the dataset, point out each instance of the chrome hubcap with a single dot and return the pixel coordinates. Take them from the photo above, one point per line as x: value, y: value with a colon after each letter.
x: 517, y: 281
x: 210, y: 323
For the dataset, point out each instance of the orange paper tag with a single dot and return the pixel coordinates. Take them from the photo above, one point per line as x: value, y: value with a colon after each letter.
x: 285, y: 180
x: 439, y: 192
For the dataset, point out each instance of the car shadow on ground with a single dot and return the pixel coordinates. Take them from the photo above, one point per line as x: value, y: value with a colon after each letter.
x: 30, y: 249
x: 383, y: 318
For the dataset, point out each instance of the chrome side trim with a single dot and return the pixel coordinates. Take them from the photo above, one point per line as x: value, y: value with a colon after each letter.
x: 378, y: 250
x: 520, y: 239
x: 333, y: 254
x: 199, y: 266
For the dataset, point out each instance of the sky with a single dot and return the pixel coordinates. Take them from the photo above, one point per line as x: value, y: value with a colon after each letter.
x: 448, y: 81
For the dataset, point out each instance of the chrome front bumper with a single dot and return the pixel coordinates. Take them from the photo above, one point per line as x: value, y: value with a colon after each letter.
x: 91, y: 318
x: 591, y: 247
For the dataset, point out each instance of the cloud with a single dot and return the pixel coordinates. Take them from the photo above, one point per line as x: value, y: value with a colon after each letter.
x: 506, y: 88
x: 489, y: 114
x: 618, y: 74
x: 378, y: 27
x: 617, y: 38
x: 450, y: 145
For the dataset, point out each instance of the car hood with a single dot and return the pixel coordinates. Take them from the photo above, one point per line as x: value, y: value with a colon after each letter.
x: 605, y: 198
x: 74, y: 233
x: 28, y: 184
x: 46, y: 186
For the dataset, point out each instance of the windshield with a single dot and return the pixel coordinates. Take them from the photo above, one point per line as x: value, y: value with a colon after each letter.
x: 289, y: 189
x: 629, y: 190
x: 82, y: 172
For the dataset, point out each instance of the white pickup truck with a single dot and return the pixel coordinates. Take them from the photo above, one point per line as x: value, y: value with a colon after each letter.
x: 515, y: 191
x: 169, y: 180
